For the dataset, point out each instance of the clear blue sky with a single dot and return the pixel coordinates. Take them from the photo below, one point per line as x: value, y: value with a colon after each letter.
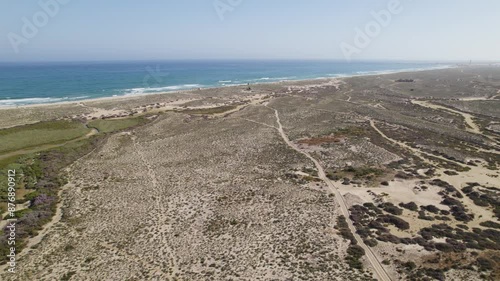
x: 263, y: 29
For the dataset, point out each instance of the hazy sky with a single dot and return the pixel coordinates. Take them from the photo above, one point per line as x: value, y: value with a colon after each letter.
x: 265, y: 29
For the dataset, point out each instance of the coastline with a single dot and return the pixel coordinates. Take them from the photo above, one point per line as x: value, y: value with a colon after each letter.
x: 351, y: 120
x: 125, y: 97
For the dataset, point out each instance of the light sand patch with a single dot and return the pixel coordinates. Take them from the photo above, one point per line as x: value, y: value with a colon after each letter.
x: 472, y: 126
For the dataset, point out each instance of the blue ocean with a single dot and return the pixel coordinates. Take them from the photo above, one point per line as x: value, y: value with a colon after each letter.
x: 35, y: 83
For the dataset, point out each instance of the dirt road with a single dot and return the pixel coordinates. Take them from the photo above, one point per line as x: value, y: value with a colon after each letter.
x: 371, y: 257
x: 471, y: 125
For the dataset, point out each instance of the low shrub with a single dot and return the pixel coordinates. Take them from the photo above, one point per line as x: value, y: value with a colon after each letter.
x: 410, y: 206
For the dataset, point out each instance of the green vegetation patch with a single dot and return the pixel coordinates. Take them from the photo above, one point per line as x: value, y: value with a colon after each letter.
x: 364, y: 172
x: 40, y: 153
x: 42, y: 175
x: 490, y: 224
x: 34, y: 135
x: 351, y: 131
x: 110, y: 126
x: 28, y: 170
x: 354, y: 252
x: 344, y: 230
x: 357, y: 173
x: 484, y: 196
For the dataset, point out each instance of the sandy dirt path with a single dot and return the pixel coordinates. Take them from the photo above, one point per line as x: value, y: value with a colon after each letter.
x: 370, y: 255
x: 46, y: 229
x: 55, y: 219
x: 476, y: 174
x: 471, y: 125
x: 160, y: 213
x: 415, y: 151
x: 58, y: 215
x: 19, y: 207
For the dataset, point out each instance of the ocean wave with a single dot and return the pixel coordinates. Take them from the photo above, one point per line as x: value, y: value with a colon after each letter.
x: 274, y: 78
x: 29, y: 101
x: 381, y: 72
x: 138, y: 91
x: 336, y: 75
x: 285, y: 78
x: 392, y: 71
x: 223, y: 82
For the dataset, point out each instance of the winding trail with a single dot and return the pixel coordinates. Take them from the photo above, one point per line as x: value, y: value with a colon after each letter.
x: 19, y: 207
x: 378, y: 105
x: 56, y: 218
x: 161, y: 214
x: 347, y: 94
x: 259, y: 123
x: 32, y: 241
x: 417, y: 152
x: 471, y: 125
x: 370, y: 255
x: 479, y: 174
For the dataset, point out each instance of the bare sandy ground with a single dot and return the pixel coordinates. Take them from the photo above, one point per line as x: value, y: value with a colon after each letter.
x: 237, y: 195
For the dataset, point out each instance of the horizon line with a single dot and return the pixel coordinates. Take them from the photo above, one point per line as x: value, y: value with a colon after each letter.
x: 468, y: 61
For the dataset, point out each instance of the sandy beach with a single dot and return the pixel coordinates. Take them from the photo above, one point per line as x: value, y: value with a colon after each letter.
x: 252, y: 182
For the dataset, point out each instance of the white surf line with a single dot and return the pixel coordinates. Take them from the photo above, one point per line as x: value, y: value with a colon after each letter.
x: 370, y: 255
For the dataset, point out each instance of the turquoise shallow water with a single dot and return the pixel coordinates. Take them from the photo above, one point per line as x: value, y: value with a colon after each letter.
x: 34, y: 83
